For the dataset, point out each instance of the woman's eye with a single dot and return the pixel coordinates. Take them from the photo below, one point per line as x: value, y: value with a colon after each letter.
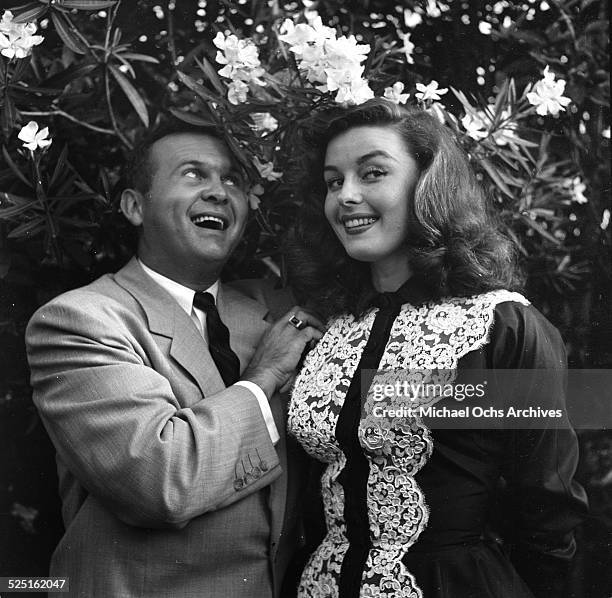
x: 374, y: 173
x: 333, y: 184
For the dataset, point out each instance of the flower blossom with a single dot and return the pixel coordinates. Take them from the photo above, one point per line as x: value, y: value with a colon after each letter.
x: 253, y: 196
x: 606, y: 133
x: 577, y: 189
x: 395, y: 93
x: 242, y: 65
x: 17, y: 39
x: 408, y: 48
x: 266, y: 170
x: 605, y: 219
x: 33, y: 138
x: 412, y: 19
x: 237, y: 92
x: 547, y: 95
x: 429, y: 92
x: 264, y: 121
x: 478, y: 124
x: 329, y: 63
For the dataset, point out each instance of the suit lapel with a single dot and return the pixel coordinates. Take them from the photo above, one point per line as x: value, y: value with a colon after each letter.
x: 165, y: 317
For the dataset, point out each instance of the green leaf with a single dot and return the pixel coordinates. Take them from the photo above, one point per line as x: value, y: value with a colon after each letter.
x: 492, y: 172
x: 29, y: 229
x: 65, y: 30
x: 539, y: 229
x: 204, y: 93
x: 14, y: 168
x: 10, y: 213
x: 59, y: 166
x: 15, y: 199
x: 72, y: 73
x: 139, y: 57
x: 8, y: 115
x: 29, y: 12
x: 192, y: 119
x: 131, y: 93
x: 88, y: 4
x: 212, y: 75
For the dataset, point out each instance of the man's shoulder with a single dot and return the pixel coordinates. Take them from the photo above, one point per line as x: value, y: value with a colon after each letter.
x: 266, y: 292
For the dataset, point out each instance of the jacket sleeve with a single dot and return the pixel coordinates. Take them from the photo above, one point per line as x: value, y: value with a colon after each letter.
x: 544, y: 503
x: 120, y: 430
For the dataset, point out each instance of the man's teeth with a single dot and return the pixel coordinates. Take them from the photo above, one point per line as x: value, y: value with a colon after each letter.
x: 359, y: 222
x: 209, y: 222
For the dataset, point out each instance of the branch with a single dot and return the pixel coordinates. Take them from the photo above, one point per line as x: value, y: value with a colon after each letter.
x: 71, y: 118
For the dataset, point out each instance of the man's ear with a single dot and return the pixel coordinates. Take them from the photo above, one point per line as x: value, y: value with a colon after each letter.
x: 132, y: 205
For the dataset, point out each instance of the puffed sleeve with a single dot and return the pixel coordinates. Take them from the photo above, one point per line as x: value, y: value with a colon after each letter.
x: 545, y: 503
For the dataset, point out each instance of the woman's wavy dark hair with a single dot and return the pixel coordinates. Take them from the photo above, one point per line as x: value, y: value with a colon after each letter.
x: 454, y: 243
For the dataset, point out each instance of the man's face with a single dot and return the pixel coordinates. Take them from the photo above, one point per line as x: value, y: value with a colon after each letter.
x: 195, y: 211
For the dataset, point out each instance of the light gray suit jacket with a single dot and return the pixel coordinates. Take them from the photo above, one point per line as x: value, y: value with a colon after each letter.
x: 169, y: 481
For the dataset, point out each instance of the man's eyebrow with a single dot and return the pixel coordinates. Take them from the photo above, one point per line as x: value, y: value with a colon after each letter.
x: 364, y: 158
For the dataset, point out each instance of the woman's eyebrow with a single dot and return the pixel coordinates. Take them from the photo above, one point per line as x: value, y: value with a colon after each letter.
x: 364, y: 158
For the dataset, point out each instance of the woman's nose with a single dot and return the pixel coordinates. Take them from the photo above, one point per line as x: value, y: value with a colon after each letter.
x: 350, y: 193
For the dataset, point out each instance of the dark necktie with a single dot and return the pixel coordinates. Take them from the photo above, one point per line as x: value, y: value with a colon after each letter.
x: 225, y: 359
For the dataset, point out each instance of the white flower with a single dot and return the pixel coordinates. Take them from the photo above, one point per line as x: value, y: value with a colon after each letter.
x: 395, y: 93
x: 432, y: 9
x: 485, y: 28
x: 547, y: 95
x: 17, y: 39
x: 412, y: 19
x: 237, y: 92
x: 266, y: 170
x: 578, y: 188
x: 479, y: 124
x: 408, y: 47
x: 474, y: 125
x: 264, y: 121
x: 33, y: 138
x: 242, y: 66
x: 429, y: 92
x: 606, y: 133
x: 605, y: 219
x: 253, y: 196
x: 352, y: 91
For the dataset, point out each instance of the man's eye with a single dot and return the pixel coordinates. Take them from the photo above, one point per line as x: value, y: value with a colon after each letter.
x: 192, y: 173
x: 232, y: 179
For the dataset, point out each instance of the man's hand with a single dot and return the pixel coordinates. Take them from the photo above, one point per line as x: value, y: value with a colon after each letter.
x: 281, y: 348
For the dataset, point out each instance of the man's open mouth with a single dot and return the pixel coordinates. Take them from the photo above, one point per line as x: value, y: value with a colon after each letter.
x: 210, y: 222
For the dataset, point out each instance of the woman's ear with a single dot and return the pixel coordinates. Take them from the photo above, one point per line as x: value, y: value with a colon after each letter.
x: 132, y: 206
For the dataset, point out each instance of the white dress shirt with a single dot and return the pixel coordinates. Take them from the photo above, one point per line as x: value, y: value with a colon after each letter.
x: 184, y: 297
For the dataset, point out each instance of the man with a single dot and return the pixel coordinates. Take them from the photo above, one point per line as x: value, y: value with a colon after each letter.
x: 171, y: 462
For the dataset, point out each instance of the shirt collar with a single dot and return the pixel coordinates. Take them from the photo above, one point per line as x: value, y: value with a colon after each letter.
x: 182, y: 294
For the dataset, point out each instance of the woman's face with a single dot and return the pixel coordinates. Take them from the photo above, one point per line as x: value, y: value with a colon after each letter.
x: 370, y: 178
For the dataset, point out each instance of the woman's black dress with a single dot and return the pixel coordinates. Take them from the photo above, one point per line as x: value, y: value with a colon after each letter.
x: 412, y: 508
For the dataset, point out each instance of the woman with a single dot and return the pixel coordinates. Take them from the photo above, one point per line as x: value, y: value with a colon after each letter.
x: 396, y: 247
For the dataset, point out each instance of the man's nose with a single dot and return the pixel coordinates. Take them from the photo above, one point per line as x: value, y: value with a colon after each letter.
x: 215, y: 191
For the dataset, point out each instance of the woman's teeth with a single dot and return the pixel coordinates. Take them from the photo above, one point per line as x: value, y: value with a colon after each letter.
x: 355, y: 222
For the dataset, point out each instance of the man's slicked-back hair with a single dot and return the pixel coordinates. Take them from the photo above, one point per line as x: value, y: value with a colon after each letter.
x: 139, y: 169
